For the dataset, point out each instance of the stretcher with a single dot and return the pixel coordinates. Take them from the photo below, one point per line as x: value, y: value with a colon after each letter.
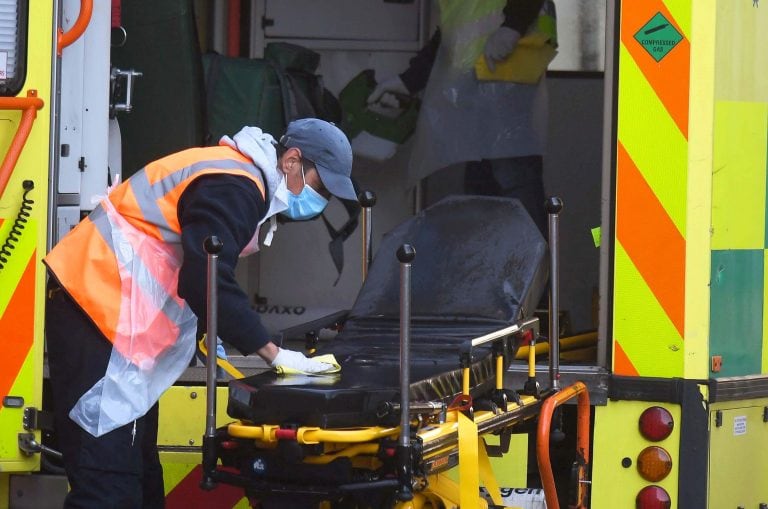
x: 445, y: 306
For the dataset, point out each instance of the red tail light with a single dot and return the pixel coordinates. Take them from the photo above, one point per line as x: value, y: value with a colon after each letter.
x: 656, y: 423
x: 653, y: 497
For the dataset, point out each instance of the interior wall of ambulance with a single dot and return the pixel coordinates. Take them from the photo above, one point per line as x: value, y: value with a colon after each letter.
x: 293, y: 280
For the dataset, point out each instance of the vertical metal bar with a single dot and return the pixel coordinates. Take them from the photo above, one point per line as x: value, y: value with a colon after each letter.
x: 213, y: 247
x: 608, y: 184
x: 212, y: 333
x: 418, y: 196
x: 554, y: 205
x: 367, y: 201
x: 405, y: 255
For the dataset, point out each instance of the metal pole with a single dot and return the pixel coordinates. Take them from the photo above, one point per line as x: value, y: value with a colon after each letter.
x: 554, y: 205
x: 367, y: 200
x: 405, y: 255
x: 212, y: 246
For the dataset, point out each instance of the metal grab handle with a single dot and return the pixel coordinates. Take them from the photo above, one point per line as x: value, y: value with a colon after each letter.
x: 367, y: 200
x: 129, y: 77
x: 29, y: 445
x: 553, y: 206
x: 578, y: 389
x: 29, y: 106
x: 78, y: 29
x: 212, y: 246
x: 405, y: 255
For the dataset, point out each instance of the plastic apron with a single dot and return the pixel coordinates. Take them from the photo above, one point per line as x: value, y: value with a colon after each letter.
x: 155, y: 337
x: 463, y: 119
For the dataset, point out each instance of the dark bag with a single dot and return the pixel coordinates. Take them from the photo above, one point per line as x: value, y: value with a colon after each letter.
x: 267, y: 93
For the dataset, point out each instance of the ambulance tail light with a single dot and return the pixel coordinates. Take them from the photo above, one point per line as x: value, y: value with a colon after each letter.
x: 654, y: 463
x: 656, y: 423
x: 653, y: 497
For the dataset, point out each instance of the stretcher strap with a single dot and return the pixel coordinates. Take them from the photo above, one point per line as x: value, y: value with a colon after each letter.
x: 222, y: 363
x: 468, y: 463
x: 486, y: 473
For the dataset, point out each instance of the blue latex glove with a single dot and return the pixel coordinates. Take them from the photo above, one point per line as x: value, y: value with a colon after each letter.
x: 220, y: 353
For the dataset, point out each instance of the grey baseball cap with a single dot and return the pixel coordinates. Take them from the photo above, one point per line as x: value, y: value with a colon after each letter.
x: 328, y: 147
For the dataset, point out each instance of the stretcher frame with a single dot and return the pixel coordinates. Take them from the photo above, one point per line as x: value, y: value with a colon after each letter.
x: 430, y: 438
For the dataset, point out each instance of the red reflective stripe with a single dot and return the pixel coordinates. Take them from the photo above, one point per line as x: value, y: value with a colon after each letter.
x: 621, y: 363
x: 187, y: 494
x: 17, y: 326
x: 651, y: 239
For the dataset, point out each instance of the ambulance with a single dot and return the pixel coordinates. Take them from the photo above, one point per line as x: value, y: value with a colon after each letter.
x: 657, y: 145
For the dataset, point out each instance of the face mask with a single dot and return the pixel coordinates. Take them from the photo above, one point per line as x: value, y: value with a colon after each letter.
x: 305, y: 205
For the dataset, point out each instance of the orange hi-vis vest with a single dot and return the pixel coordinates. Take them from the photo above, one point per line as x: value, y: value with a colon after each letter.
x: 143, y: 209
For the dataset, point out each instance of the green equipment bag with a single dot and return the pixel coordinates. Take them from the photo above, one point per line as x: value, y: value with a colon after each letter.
x: 162, y: 43
x: 268, y: 92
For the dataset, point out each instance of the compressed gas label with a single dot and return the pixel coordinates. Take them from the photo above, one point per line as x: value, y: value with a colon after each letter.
x: 740, y: 425
x: 658, y: 37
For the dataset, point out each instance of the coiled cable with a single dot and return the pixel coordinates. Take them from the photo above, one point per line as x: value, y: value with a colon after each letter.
x: 18, y: 225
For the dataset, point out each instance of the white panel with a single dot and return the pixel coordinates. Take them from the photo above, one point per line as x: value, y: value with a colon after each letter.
x: 115, y: 150
x: 581, y: 35
x: 370, y: 20
x: 96, y: 105
x: 85, y: 104
x: 71, y: 104
x: 67, y: 218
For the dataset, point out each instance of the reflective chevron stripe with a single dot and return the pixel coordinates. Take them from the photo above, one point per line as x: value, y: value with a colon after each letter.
x: 651, y: 188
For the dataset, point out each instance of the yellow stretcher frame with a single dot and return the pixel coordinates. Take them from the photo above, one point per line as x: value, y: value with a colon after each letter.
x: 461, y: 432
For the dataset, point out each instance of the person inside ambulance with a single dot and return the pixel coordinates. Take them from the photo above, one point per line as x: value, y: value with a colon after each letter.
x: 495, y: 128
x: 127, y: 288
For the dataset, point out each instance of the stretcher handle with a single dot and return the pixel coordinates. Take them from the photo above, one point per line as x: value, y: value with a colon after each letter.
x: 29, y: 106
x: 553, y: 207
x: 577, y: 390
x: 78, y: 29
x: 367, y: 200
x: 405, y: 255
x: 222, y: 363
x: 212, y: 246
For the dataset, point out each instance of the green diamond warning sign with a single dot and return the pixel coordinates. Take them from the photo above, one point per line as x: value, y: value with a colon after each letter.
x: 658, y: 37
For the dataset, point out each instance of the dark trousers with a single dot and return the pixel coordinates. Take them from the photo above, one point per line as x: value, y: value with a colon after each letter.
x: 513, y: 177
x: 120, y: 469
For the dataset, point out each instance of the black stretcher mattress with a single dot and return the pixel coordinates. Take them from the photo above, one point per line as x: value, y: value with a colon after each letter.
x: 481, y: 264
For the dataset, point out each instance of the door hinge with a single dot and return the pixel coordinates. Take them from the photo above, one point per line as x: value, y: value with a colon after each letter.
x: 37, y: 419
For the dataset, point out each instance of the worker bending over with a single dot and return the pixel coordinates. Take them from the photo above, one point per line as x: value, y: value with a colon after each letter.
x: 127, y: 287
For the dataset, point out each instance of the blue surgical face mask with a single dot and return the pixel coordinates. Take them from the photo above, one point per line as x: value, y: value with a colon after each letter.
x: 305, y: 205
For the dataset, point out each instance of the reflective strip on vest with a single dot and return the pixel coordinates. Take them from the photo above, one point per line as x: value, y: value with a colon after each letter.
x: 140, y: 186
x: 86, y: 262
x: 104, y: 227
x: 466, y: 25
